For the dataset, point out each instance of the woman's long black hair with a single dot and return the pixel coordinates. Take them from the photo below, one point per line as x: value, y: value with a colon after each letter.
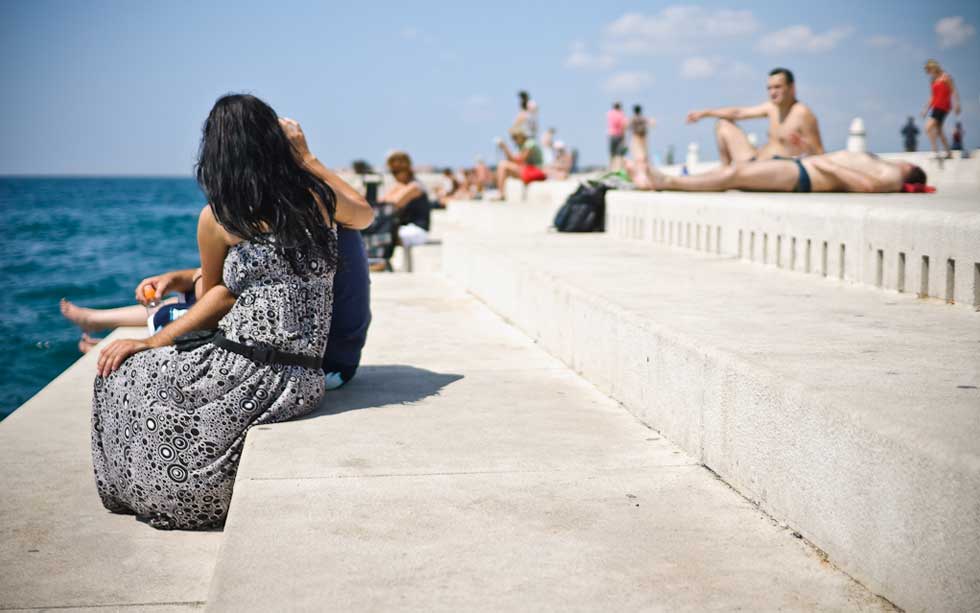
x: 256, y: 187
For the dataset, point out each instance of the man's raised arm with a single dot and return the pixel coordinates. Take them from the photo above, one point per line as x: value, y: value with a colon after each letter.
x: 731, y: 113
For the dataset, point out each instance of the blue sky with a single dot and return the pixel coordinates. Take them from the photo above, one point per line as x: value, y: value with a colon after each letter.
x: 123, y: 87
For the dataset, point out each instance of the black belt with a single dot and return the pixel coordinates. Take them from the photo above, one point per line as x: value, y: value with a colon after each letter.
x: 265, y: 354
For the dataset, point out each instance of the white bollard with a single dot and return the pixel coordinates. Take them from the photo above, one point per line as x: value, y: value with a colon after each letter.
x: 857, y: 141
x: 692, y: 156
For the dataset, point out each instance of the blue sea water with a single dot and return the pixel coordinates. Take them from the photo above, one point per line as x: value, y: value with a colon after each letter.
x: 90, y: 240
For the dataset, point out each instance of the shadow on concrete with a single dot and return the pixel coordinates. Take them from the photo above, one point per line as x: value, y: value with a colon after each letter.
x: 381, y: 385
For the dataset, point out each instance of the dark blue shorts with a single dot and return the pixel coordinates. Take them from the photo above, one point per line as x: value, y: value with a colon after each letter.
x: 351, y: 309
x: 171, y: 312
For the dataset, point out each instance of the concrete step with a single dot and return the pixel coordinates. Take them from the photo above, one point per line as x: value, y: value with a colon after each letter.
x: 921, y: 244
x: 466, y: 469
x: 59, y: 548
x: 847, y: 412
x: 926, y: 245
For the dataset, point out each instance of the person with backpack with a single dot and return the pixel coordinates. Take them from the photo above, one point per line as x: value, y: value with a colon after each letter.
x: 639, y: 126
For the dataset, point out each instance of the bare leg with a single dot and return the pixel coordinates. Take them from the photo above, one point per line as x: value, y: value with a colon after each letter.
x: 942, y: 137
x: 505, y: 169
x: 932, y: 130
x: 86, y: 343
x: 763, y: 176
x: 90, y: 320
x: 638, y: 147
x: 733, y: 144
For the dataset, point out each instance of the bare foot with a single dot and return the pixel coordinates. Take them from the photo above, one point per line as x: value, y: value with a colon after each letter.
x: 80, y: 316
x: 646, y: 177
x: 86, y: 343
x: 658, y: 180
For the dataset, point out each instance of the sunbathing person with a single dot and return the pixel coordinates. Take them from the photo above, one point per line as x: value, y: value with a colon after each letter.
x: 793, y: 129
x: 841, y: 171
x: 561, y: 167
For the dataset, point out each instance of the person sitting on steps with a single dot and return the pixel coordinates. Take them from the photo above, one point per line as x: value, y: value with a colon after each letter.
x: 525, y: 164
x: 793, y: 128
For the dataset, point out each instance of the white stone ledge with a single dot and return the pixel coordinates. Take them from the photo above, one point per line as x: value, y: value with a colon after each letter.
x: 59, y: 548
x: 835, y: 408
x: 925, y: 245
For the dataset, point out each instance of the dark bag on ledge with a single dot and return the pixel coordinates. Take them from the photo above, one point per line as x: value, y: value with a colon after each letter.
x: 584, y: 210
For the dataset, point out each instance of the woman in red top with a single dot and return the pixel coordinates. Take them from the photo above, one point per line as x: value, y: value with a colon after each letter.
x: 944, y: 98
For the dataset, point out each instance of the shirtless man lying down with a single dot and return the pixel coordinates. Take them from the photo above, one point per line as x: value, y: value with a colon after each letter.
x: 793, y: 129
x: 840, y: 171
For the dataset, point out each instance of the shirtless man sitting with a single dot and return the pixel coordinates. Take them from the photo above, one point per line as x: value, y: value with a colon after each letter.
x: 840, y: 171
x: 793, y: 129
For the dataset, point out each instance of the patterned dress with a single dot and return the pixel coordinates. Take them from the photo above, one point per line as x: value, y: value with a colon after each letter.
x: 168, y: 426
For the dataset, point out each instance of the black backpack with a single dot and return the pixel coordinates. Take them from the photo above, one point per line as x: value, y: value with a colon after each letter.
x: 584, y: 210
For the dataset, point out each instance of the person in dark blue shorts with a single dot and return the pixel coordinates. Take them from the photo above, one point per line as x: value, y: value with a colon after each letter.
x: 351, y: 310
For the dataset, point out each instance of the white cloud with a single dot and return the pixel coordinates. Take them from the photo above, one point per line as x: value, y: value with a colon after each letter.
x: 627, y: 82
x: 706, y: 67
x: 698, y: 68
x: 580, y: 57
x: 676, y: 29
x: 414, y: 34
x: 881, y: 41
x: 477, y: 108
x: 953, y: 32
x: 802, y: 39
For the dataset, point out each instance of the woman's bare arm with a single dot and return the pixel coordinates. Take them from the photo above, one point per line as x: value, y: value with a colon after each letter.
x: 401, y: 195
x: 213, y: 242
x: 353, y: 211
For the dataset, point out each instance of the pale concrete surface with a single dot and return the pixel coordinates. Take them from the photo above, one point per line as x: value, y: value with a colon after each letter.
x: 849, y: 413
x: 875, y: 239
x: 130, y: 608
x: 916, y: 243
x: 925, y: 244
x: 59, y: 548
x: 465, y: 469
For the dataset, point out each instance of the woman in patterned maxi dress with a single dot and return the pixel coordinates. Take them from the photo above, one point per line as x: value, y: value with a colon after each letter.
x: 168, y: 425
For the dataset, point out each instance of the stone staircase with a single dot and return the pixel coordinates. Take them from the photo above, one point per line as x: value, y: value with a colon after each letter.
x: 633, y: 423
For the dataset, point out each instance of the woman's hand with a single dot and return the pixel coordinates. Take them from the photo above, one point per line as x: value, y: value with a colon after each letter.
x: 116, y: 352
x: 297, y: 139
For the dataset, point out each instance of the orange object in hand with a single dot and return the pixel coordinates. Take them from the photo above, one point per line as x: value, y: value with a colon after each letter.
x: 149, y: 293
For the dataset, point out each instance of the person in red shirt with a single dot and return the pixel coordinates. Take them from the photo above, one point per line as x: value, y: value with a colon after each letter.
x: 944, y: 98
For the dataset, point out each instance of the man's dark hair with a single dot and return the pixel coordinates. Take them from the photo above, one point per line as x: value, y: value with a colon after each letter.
x: 617, y: 105
x: 523, y: 96
x: 916, y: 175
x: 786, y: 72
x: 637, y: 109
